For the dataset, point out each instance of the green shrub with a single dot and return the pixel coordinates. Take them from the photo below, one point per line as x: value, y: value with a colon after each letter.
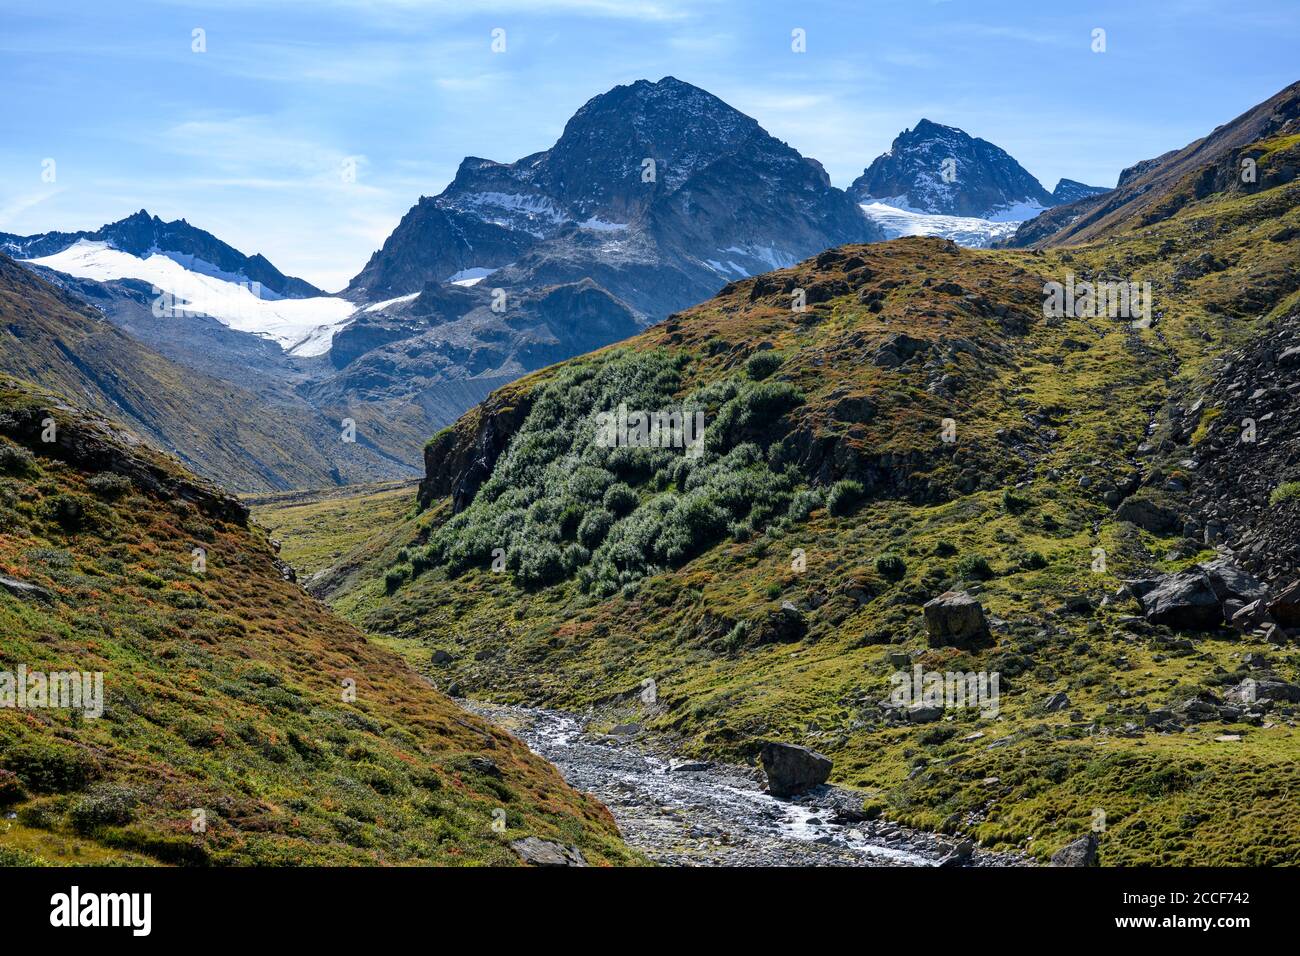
x: 69, y: 511
x: 945, y: 549
x: 15, y: 460
x: 1287, y: 491
x: 11, y: 856
x: 106, y: 804
x: 891, y: 567
x: 1031, y: 561
x: 593, y: 528
x: 620, y: 500
x: 395, y: 577
x: 803, y: 504
x: 975, y: 566
x: 110, y: 485
x: 762, y: 365
x: 48, y: 768
x: 11, y: 788
x: 1014, y: 503
x: 844, y: 497
x: 752, y: 412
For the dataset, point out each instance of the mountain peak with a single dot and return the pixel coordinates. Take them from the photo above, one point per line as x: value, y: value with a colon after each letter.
x: 943, y: 170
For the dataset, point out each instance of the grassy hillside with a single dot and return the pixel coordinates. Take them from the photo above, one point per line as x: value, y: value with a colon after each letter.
x: 227, y: 689
x: 824, y: 443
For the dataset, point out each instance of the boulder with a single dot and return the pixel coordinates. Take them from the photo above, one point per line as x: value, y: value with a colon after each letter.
x: 1057, y: 701
x: 1147, y: 515
x: 441, y: 657
x: 24, y: 591
x: 1195, y: 599
x: 782, y: 626
x: 921, y: 714
x: 686, y: 765
x: 537, y: 852
x: 1285, y: 606
x: 956, y: 619
x: 1231, y: 583
x: 792, y: 769
x: 1082, y: 852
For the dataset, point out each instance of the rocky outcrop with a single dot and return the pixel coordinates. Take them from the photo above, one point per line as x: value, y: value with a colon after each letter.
x: 1082, y: 852
x: 792, y: 769
x: 1198, y: 598
x: 547, y: 853
x: 459, y: 459
x: 956, y: 619
x: 25, y: 591
x: 1247, y: 448
x: 98, y: 445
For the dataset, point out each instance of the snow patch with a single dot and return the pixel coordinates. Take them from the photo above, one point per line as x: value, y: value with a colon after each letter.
x: 302, y: 327
x: 963, y: 230
x: 471, y: 276
x: 380, y: 306
x: 600, y: 225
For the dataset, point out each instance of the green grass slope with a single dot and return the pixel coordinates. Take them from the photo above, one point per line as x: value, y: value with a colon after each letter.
x: 227, y: 689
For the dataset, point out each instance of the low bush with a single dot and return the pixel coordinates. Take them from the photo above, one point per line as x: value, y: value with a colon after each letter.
x: 48, y: 768
x: 762, y: 365
x: 106, y: 804
x: 891, y: 567
x: 844, y: 497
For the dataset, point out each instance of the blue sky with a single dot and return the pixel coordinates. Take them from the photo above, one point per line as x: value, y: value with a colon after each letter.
x: 249, y: 138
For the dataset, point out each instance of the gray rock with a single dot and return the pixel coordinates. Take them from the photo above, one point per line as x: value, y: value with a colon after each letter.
x: 1148, y: 515
x: 783, y: 626
x: 956, y: 619
x: 537, y: 852
x: 26, y: 592
x: 625, y: 730
x: 1058, y: 701
x: 441, y: 657
x: 1082, y: 852
x: 1195, y: 599
x: 686, y: 765
x: 1285, y: 606
x: 792, y: 769
x: 921, y: 714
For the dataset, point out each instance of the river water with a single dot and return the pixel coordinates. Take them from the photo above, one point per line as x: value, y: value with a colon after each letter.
x: 715, y: 814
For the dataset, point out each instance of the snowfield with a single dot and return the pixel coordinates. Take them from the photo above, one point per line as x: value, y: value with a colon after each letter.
x: 303, y: 327
x: 975, y: 233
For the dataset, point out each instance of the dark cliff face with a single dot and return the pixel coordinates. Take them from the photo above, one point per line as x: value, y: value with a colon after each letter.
x: 943, y: 170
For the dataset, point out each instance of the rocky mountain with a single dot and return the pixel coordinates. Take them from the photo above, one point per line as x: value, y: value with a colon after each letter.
x: 924, y: 469
x: 218, y: 693
x: 653, y: 198
x: 1227, y: 158
x: 659, y: 192
x: 1069, y: 190
x: 249, y: 436
x: 143, y: 235
x: 943, y: 170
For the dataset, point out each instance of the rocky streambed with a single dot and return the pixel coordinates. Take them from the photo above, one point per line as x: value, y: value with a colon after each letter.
x: 691, y: 813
